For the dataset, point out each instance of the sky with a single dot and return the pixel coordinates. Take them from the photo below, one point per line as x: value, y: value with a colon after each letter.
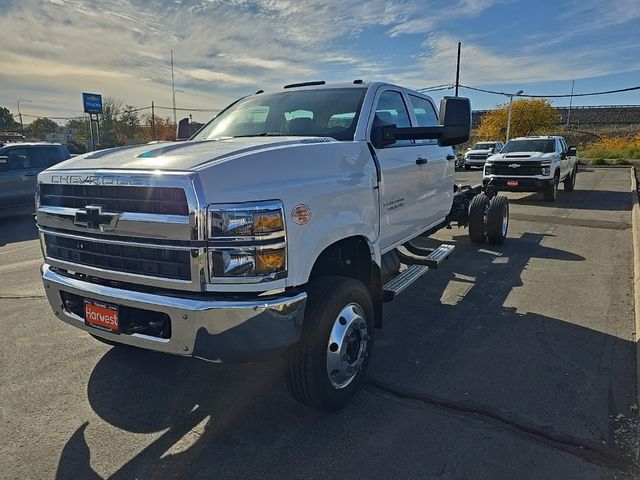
x: 52, y: 50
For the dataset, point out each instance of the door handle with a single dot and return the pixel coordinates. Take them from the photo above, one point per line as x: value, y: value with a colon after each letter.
x: 30, y: 174
x: 451, y: 157
x: 421, y: 161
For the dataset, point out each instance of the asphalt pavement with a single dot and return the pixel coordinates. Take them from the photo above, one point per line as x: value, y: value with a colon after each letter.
x: 512, y: 361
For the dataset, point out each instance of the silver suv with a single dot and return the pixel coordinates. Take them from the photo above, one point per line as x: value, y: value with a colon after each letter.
x: 20, y: 164
x: 477, y: 155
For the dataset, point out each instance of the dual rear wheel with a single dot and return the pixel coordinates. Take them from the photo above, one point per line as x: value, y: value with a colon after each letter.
x: 488, y: 219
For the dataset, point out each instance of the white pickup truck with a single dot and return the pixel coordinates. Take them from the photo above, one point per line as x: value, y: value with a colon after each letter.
x: 533, y: 164
x: 280, y: 228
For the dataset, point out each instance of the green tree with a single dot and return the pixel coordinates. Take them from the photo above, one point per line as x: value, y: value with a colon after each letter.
x: 109, y: 121
x: 129, y: 121
x: 533, y: 116
x: 7, y: 122
x: 79, y: 128
x: 40, y: 127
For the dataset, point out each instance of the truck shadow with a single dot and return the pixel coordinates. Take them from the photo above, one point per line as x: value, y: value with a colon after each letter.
x: 17, y: 229
x: 603, y: 200
x: 451, y: 340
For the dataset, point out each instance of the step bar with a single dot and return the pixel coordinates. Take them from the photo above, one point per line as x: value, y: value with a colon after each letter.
x: 417, y: 266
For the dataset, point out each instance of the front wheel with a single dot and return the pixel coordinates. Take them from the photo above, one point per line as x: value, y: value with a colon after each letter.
x: 570, y: 181
x: 551, y: 194
x: 327, y: 365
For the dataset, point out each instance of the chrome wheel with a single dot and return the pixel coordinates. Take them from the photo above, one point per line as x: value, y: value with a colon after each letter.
x: 504, y: 225
x: 347, y: 347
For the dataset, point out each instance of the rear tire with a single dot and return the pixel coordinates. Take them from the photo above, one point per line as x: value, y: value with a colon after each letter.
x: 478, y: 218
x: 551, y: 194
x: 570, y: 181
x: 497, y: 220
x: 327, y: 365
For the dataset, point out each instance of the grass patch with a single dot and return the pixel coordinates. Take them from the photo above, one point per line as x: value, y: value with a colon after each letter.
x: 621, y: 161
x: 598, y: 161
x: 615, y: 148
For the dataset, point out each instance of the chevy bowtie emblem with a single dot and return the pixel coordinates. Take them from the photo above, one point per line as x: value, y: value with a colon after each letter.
x: 514, y: 165
x: 92, y: 216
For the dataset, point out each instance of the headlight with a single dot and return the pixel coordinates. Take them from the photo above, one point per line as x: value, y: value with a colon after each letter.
x: 546, y: 171
x: 246, y: 221
x: 247, y: 241
x: 488, y: 169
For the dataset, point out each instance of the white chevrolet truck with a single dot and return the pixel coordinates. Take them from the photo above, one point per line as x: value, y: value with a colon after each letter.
x: 533, y: 164
x: 279, y: 229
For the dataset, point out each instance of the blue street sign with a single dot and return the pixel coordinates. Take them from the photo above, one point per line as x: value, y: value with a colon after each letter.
x: 92, y: 102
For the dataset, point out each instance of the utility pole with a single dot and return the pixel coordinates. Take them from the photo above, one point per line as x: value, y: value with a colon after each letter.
x: 458, y: 69
x: 20, y: 114
x: 573, y: 83
x: 153, y: 121
x: 173, y: 91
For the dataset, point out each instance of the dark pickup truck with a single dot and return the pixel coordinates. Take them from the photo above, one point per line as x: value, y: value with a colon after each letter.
x: 20, y: 164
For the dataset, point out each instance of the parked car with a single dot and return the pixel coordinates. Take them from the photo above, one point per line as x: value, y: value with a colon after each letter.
x: 20, y: 164
x: 533, y: 164
x: 477, y: 155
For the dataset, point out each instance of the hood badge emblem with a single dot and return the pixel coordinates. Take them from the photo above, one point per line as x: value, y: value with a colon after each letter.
x: 92, y: 216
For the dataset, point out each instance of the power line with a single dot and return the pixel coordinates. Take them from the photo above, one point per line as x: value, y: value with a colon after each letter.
x: 589, y: 94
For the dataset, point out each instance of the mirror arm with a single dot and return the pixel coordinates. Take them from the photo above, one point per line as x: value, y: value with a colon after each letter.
x: 391, y: 133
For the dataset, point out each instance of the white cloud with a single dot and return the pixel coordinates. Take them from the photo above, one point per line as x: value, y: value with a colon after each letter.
x: 55, y: 49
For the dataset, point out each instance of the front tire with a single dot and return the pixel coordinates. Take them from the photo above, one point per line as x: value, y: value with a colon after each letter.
x: 570, y: 181
x: 327, y: 365
x: 551, y: 194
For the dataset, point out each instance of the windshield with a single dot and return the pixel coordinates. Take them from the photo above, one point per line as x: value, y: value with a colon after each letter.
x: 483, y: 146
x: 305, y: 113
x: 547, y: 145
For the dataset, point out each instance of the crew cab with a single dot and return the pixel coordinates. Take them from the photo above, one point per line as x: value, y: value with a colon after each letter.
x: 533, y: 164
x: 477, y: 155
x: 279, y: 229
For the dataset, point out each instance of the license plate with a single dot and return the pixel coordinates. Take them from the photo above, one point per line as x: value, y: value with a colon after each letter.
x: 512, y: 183
x: 101, y: 315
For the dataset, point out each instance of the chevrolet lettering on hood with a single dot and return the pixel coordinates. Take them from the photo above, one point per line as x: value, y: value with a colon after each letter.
x: 100, y: 179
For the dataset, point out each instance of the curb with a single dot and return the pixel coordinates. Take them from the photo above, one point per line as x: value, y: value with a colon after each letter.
x: 635, y: 228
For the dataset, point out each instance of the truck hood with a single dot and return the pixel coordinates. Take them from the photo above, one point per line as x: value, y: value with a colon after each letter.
x: 181, y: 156
x: 478, y: 152
x: 522, y: 156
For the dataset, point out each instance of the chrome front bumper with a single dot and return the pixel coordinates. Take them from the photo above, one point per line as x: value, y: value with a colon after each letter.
x: 217, y: 329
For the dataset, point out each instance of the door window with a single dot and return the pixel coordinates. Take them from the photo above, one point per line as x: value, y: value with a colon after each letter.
x: 425, y: 115
x: 44, y: 157
x: 19, y: 158
x: 391, y: 110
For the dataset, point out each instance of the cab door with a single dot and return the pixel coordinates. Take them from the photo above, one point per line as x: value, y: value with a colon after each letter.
x: 402, y: 206
x: 438, y: 170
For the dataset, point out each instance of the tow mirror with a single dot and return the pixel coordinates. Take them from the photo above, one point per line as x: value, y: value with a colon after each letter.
x: 4, y: 163
x: 572, y: 152
x: 454, y: 126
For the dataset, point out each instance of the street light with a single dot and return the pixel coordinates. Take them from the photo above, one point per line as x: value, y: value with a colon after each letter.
x: 20, y: 114
x: 511, y: 95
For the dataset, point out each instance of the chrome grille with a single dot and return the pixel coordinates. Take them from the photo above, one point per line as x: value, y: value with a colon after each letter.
x: 155, y: 262
x: 524, y: 168
x: 118, y: 198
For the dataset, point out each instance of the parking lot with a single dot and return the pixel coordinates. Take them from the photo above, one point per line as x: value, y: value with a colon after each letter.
x: 515, y: 361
